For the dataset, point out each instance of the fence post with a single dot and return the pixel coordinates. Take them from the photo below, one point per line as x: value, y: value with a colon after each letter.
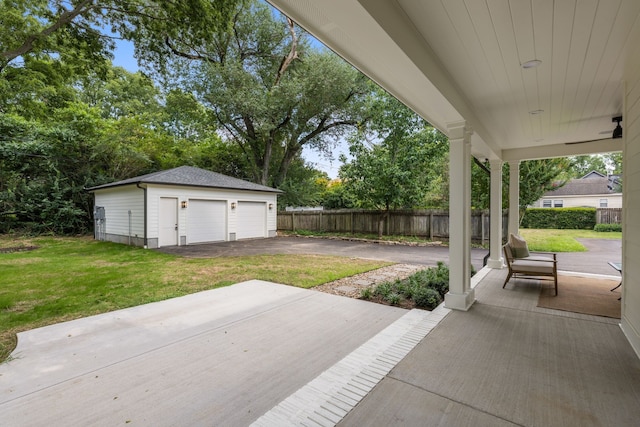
x: 431, y: 226
x: 351, y: 222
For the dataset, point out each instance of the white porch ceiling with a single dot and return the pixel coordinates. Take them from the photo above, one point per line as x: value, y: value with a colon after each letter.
x: 452, y: 60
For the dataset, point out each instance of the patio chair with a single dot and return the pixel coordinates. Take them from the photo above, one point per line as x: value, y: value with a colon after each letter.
x: 532, y: 266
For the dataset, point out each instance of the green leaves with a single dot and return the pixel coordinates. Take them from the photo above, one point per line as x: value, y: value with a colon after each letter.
x: 271, y: 93
x: 397, y: 169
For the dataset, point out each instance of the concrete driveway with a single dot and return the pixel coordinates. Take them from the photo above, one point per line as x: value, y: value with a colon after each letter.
x: 425, y: 255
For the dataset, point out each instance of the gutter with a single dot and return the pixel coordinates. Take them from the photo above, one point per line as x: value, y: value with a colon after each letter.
x: 144, y: 209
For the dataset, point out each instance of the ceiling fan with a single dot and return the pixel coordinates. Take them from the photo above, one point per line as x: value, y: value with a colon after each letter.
x: 617, y: 132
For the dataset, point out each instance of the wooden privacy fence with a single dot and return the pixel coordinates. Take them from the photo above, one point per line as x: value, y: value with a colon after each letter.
x: 609, y: 216
x: 433, y: 224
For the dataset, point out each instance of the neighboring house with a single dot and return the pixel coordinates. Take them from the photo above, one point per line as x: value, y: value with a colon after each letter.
x: 183, y: 206
x: 592, y: 190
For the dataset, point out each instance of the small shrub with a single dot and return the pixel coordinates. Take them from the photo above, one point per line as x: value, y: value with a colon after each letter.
x: 427, y: 298
x: 439, y: 280
x: 383, y: 290
x: 606, y: 228
x: 366, y: 293
x: 401, y: 287
x: 393, y: 298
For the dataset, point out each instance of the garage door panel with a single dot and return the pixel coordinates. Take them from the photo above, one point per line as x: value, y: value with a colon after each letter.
x: 206, y: 221
x: 252, y: 220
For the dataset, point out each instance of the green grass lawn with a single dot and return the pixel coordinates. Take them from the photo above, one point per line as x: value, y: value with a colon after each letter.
x: 562, y: 240
x: 69, y: 278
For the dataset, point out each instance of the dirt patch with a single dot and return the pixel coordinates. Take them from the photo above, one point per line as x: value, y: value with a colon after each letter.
x: 17, y: 249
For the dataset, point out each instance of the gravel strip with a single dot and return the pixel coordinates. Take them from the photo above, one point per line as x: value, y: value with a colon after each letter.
x: 352, y: 286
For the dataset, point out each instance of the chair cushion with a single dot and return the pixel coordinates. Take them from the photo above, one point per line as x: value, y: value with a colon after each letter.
x: 519, y: 247
x: 525, y: 266
x: 538, y: 258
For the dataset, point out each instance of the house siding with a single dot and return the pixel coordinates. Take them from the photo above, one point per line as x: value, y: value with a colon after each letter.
x: 593, y: 201
x: 630, y: 321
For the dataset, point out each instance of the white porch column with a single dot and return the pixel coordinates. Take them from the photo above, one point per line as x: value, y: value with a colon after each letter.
x: 514, y: 196
x: 460, y: 295
x: 495, y: 240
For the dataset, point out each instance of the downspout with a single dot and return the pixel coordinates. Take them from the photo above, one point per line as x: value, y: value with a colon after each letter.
x: 144, y: 214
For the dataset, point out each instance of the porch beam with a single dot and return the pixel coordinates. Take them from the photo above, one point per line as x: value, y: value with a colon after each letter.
x: 514, y: 196
x: 495, y: 239
x: 460, y: 296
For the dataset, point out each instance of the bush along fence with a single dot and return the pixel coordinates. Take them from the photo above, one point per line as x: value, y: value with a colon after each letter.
x: 431, y: 224
x: 434, y: 224
x: 570, y: 218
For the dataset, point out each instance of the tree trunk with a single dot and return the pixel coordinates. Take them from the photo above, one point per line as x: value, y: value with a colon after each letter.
x: 383, y: 217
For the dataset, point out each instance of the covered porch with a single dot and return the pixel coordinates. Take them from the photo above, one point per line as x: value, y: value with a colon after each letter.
x: 507, y: 362
x: 506, y: 81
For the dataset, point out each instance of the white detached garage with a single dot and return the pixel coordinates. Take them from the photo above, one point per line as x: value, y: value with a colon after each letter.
x: 183, y: 206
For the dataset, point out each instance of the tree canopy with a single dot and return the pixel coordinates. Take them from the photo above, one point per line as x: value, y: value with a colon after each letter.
x: 270, y: 91
x: 395, y: 169
x: 80, y: 34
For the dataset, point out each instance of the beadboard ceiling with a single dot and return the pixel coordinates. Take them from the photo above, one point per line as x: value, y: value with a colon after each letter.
x: 453, y: 60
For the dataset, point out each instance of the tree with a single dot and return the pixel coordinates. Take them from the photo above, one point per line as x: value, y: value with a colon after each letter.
x: 45, y: 170
x: 270, y: 92
x: 304, y: 185
x: 393, y: 172
x: 73, y: 32
x: 537, y: 177
x: 582, y: 165
x: 119, y: 93
x: 336, y: 196
x: 85, y: 134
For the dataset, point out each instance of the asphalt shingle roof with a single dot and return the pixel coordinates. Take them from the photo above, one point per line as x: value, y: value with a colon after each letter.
x: 190, y: 176
x: 582, y: 187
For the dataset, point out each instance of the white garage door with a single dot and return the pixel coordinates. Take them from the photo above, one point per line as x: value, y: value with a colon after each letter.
x: 252, y: 220
x: 206, y: 221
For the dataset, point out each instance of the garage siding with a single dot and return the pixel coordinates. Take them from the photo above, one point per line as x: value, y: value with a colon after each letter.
x: 234, y: 223
x: 117, y: 203
x: 250, y: 216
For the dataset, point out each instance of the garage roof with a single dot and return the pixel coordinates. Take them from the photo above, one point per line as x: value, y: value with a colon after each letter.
x: 190, y: 176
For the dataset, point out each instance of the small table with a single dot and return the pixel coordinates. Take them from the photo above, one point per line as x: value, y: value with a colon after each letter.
x: 618, y: 267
